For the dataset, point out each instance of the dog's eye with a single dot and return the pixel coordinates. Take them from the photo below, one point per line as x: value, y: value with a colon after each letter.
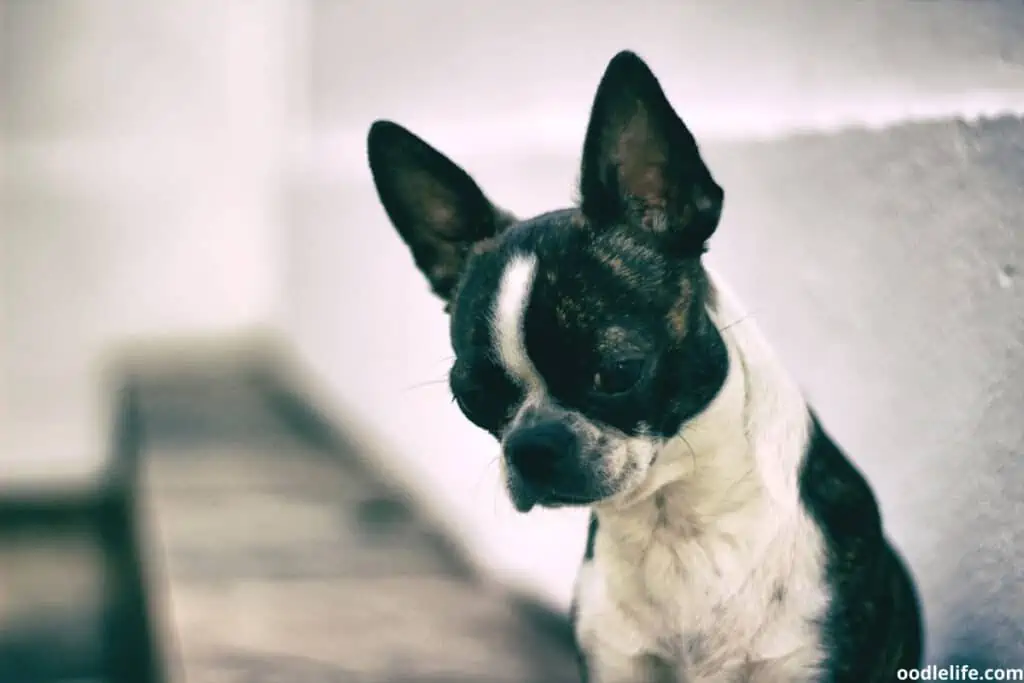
x: 466, y: 410
x: 486, y: 413
x: 485, y: 399
x: 619, y: 375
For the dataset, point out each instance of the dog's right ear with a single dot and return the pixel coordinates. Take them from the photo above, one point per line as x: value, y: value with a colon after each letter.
x: 641, y: 164
x: 436, y: 207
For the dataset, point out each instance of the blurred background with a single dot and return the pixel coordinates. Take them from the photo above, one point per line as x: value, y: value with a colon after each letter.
x: 225, y: 450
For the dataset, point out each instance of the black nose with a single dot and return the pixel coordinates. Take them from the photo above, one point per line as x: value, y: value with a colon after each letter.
x: 537, y: 451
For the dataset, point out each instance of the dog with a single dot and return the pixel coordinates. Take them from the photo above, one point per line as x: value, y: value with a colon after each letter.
x: 730, y: 539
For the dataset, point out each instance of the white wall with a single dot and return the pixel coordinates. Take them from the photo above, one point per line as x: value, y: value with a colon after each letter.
x: 140, y: 196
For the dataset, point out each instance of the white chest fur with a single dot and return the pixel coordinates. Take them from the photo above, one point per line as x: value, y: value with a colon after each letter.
x: 713, y: 567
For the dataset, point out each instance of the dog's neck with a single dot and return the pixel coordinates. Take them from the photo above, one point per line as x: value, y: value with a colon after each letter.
x: 740, y: 457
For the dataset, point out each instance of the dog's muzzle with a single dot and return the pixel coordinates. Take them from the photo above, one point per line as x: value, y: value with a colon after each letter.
x: 545, y: 466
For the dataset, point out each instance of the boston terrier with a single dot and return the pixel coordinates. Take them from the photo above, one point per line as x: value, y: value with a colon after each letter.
x: 730, y: 539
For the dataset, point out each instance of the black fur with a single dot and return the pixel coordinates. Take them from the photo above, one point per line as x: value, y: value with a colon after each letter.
x: 435, y: 206
x: 567, y: 317
x: 588, y: 553
x: 873, y: 625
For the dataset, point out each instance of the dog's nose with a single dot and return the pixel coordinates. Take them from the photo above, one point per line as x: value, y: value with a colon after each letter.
x: 535, y: 451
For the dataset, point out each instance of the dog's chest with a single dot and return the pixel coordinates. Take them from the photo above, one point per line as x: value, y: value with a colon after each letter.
x: 737, y: 600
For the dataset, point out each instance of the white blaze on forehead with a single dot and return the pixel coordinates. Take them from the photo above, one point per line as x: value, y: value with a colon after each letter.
x: 509, y: 312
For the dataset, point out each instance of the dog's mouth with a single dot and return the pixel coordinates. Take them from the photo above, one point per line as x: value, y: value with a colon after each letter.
x: 526, y: 495
x: 525, y: 498
x: 601, y: 470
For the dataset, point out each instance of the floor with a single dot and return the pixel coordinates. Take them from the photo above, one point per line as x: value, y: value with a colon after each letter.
x: 74, y: 599
x: 286, y: 558
x: 270, y: 553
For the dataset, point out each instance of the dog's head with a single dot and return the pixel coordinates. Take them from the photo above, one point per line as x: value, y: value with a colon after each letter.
x: 582, y: 337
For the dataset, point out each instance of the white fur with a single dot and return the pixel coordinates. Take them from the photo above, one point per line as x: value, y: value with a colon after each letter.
x: 509, y: 309
x: 705, y: 526
x: 694, y: 552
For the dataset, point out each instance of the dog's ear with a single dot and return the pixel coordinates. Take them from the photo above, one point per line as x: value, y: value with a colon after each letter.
x: 436, y: 207
x: 641, y: 165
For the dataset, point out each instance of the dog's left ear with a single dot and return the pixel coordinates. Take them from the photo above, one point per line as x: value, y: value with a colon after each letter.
x: 641, y: 165
x: 439, y: 211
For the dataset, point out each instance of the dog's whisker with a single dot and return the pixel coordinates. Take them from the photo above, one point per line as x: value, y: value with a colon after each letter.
x: 496, y: 490
x: 447, y: 360
x: 427, y: 383
x: 743, y: 318
x: 693, y: 453
x: 484, y: 471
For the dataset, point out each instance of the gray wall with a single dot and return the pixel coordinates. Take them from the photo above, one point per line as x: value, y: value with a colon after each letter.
x: 887, y: 273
